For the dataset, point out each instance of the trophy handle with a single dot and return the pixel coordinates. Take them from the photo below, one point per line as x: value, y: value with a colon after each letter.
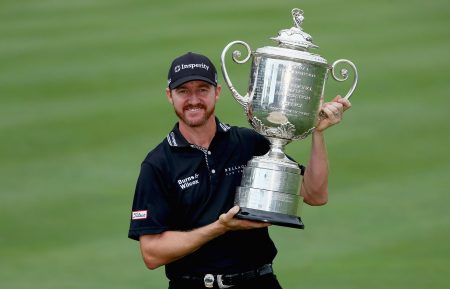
x: 243, y: 100
x: 344, y: 75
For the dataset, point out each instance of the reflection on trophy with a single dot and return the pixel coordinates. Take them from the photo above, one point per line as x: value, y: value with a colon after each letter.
x: 282, y: 103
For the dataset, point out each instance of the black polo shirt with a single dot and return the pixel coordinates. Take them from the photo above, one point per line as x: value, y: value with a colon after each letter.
x: 182, y: 187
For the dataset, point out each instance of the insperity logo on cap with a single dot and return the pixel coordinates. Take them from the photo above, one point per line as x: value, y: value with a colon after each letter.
x: 191, y: 66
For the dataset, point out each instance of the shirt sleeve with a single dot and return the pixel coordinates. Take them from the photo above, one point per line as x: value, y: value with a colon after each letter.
x: 262, y: 144
x: 151, y: 210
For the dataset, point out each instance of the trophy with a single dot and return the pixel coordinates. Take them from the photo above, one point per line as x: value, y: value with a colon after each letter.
x: 282, y: 103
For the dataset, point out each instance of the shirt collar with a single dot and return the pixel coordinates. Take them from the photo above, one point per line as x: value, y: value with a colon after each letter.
x: 176, y: 139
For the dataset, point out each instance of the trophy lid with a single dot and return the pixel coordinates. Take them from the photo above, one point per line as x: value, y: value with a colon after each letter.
x: 295, y: 37
x: 293, y: 43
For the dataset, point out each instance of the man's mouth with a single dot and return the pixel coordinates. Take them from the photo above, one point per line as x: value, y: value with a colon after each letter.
x: 194, y: 108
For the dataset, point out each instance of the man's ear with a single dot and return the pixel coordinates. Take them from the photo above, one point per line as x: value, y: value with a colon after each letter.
x: 169, y: 95
x: 218, y: 90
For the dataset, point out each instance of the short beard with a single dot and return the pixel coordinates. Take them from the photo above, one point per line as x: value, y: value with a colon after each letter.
x: 197, y: 123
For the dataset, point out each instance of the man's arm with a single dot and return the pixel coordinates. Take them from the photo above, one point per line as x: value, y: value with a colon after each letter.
x: 161, y: 249
x: 314, y: 187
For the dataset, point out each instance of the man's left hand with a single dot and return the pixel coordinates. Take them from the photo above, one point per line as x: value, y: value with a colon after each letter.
x: 332, y: 112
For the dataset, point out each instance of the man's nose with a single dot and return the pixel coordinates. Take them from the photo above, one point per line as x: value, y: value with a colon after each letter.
x: 194, y: 98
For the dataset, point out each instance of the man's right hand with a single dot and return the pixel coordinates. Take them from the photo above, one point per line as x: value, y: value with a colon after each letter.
x: 232, y: 224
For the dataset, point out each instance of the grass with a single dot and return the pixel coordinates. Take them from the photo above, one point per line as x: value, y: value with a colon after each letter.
x: 81, y: 103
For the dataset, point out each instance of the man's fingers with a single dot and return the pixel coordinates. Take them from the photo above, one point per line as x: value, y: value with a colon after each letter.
x: 333, y: 109
x: 229, y: 221
x: 346, y: 103
x: 337, y: 98
x: 229, y: 215
x: 333, y: 112
x: 327, y: 111
x: 234, y: 210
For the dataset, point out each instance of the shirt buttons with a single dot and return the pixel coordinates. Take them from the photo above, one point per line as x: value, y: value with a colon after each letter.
x: 209, y: 153
x: 213, y: 171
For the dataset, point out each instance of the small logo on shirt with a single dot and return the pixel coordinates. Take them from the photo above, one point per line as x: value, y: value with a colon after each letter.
x: 234, y: 170
x: 188, y: 182
x: 139, y: 215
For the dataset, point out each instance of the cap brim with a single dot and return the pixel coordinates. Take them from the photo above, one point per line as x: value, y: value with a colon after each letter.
x: 185, y: 79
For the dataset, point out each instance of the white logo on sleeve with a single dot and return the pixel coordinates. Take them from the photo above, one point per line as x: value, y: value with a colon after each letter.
x: 139, y: 215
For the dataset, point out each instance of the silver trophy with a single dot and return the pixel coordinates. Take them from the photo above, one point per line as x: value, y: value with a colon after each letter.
x: 282, y: 103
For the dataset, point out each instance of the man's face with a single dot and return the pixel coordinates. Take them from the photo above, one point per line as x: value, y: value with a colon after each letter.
x: 194, y: 101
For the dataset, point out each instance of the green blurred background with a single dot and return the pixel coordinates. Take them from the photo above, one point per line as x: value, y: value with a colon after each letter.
x: 82, y: 102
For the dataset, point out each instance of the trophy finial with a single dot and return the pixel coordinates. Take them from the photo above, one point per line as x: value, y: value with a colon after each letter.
x: 295, y: 37
x: 297, y: 15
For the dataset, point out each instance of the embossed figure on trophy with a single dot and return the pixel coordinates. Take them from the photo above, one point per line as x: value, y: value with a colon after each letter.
x: 297, y: 15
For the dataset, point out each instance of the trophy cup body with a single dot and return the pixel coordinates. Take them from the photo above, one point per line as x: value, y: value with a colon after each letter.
x: 282, y: 103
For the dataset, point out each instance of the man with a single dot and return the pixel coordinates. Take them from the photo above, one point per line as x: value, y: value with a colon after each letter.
x: 183, y: 213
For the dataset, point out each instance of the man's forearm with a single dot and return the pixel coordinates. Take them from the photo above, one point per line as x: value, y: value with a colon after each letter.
x: 161, y: 249
x: 315, y: 181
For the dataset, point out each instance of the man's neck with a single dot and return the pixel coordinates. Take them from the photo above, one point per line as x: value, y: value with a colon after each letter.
x: 202, y: 135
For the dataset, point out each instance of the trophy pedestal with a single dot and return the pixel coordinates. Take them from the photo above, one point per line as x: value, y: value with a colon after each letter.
x: 269, y: 191
x: 270, y: 217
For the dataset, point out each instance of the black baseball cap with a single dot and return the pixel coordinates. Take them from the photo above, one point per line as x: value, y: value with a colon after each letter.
x: 191, y: 66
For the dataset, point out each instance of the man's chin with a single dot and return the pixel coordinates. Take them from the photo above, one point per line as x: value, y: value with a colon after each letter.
x: 195, y: 123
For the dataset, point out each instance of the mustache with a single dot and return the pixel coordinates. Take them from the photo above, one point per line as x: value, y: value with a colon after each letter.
x: 192, y: 106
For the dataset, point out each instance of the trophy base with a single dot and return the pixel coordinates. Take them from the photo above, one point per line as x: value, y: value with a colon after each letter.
x: 270, y: 217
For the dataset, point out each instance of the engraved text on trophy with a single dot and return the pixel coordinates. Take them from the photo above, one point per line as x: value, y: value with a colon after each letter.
x: 285, y: 97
